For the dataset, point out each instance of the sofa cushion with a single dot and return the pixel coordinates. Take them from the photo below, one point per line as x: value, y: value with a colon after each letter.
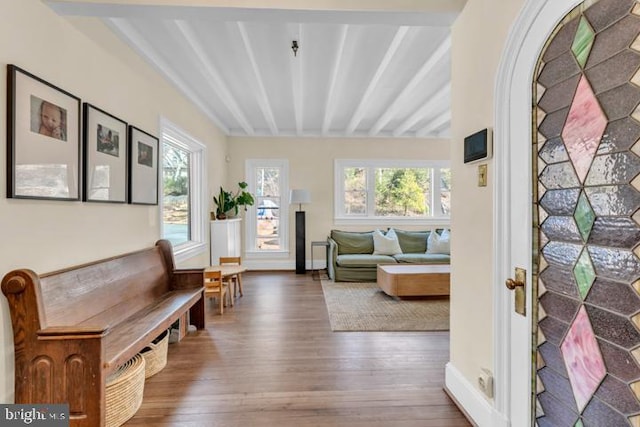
x: 386, y: 244
x: 412, y: 241
x: 353, y: 242
x: 423, y: 258
x: 361, y: 260
x: 439, y: 243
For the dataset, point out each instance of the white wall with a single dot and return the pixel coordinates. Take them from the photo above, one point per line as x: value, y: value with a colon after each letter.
x: 311, y: 163
x: 84, y: 58
x: 478, y: 38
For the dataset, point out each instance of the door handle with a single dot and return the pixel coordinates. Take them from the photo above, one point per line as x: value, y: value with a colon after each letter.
x: 512, y: 284
x: 519, y: 284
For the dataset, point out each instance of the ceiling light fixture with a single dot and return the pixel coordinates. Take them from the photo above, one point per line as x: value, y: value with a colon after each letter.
x: 294, y: 47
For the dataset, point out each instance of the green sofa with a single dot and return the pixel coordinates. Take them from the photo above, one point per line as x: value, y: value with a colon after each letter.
x: 351, y: 257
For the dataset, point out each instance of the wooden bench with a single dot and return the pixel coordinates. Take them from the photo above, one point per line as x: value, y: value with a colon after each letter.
x: 72, y: 328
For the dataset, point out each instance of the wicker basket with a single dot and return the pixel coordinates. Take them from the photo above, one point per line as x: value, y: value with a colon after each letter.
x: 124, y: 391
x: 155, y: 354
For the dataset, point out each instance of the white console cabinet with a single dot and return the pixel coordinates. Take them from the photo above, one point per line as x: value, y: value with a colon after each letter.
x: 225, y: 239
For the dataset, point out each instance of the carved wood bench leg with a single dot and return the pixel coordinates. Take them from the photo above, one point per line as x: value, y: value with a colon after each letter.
x: 69, y: 373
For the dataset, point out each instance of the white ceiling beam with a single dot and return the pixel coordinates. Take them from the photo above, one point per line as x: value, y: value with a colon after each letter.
x: 296, y: 80
x: 434, y: 124
x: 217, y: 83
x: 424, y: 13
x: 144, y: 49
x: 434, y: 102
x: 263, y: 99
x: 315, y: 133
x: 438, y: 55
x: 329, y: 109
x: 373, y: 84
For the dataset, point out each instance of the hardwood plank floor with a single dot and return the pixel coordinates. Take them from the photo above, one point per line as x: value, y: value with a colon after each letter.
x: 272, y: 360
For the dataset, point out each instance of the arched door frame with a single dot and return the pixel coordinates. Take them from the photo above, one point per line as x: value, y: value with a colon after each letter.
x: 513, y: 112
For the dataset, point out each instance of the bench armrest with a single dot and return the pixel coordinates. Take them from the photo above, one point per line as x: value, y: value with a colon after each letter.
x: 190, y: 278
x: 333, y: 254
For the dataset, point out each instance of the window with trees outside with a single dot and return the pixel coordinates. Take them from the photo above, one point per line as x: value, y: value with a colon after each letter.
x: 268, y: 219
x: 392, y: 189
x: 183, y: 217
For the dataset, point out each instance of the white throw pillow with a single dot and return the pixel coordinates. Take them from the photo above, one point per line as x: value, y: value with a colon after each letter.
x: 439, y: 243
x: 386, y: 244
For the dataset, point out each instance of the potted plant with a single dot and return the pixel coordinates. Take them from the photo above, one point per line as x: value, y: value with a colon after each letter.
x: 228, y: 203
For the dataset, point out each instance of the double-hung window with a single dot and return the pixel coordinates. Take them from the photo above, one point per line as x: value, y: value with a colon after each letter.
x: 183, y: 191
x: 268, y: 219
x: 392, y: 191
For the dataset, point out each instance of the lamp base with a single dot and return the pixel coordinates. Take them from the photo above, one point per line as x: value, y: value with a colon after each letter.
x: 300, y: 243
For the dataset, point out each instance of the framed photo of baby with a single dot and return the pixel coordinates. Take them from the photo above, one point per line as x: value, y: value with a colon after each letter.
x: 43, y: 139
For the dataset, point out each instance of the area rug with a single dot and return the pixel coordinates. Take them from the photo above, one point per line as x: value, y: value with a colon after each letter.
x: 365, y: 307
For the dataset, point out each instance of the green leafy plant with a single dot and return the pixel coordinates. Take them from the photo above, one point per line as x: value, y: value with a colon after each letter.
x: 228, y: 203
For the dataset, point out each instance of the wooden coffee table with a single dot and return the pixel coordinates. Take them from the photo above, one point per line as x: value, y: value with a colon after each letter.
x: 405, y: 280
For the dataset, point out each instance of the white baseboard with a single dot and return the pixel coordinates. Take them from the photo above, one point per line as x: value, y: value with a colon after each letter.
x: 267, y: 264
x: 270, y: 264
x: 475, y: 405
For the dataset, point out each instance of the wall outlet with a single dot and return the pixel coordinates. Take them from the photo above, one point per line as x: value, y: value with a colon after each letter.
x: 485, y: 382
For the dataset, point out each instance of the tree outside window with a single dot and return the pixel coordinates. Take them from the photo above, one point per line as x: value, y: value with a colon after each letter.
x: 392, y: 189
x: 176, y: 200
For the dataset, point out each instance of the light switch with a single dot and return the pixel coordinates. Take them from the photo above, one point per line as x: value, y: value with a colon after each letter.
x: 482, y: 175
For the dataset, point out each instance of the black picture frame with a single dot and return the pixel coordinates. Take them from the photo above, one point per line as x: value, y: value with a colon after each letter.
x: 105, y: 157
x: 143, y: 167
x: 43, y: 139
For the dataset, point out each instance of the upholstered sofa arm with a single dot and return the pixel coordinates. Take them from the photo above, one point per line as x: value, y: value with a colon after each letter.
x: 333, y: 256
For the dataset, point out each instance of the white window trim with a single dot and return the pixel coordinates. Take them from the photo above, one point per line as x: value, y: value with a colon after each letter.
x: 250, y: 224
x: 338, y: 202
x: 172, y: 134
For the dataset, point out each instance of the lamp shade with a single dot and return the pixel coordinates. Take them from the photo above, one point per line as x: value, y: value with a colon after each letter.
x: 300, y: 196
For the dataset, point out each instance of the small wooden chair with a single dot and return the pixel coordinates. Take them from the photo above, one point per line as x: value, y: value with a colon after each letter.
x: 214, y: 287
x: 236, y: 278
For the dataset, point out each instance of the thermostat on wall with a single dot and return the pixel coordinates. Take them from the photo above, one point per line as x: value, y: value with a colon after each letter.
x: 478, y: 146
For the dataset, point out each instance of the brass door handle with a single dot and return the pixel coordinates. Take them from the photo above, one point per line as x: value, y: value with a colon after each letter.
x: 512, y: 284
x: 519, y: 284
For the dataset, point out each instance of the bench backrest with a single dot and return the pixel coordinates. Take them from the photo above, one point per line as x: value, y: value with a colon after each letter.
x: 103, y: 292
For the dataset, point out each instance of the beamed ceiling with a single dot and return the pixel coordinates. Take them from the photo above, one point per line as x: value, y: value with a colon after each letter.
x: 355, y: 74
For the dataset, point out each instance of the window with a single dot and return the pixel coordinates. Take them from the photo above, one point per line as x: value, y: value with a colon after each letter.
x: 268, y: 219
x: 393, y: 190
x: 183, y: 195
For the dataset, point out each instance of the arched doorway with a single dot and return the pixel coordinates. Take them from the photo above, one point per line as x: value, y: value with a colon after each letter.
x: 582, y: 169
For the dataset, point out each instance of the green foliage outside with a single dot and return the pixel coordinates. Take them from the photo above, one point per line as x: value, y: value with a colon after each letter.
x: 175, y: 177
x: 401, y: 192
x: 355, y: 190
x: 176, y: 186
x: 398, y: 191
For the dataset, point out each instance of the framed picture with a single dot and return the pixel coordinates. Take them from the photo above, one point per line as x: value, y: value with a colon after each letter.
x: 43, y: 139
x: 143, y: 167
x: 105, y: 157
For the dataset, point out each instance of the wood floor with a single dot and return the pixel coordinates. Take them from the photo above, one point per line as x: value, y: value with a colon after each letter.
x: 272, y: 360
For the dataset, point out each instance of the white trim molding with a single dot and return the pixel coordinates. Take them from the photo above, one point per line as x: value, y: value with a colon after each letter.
x: 173, y: 135
x: 289, y: 265
x: 470, y: 398
x: 512, y: 110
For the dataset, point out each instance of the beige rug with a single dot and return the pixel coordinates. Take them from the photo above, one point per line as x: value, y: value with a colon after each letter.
x: 364, y: 307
